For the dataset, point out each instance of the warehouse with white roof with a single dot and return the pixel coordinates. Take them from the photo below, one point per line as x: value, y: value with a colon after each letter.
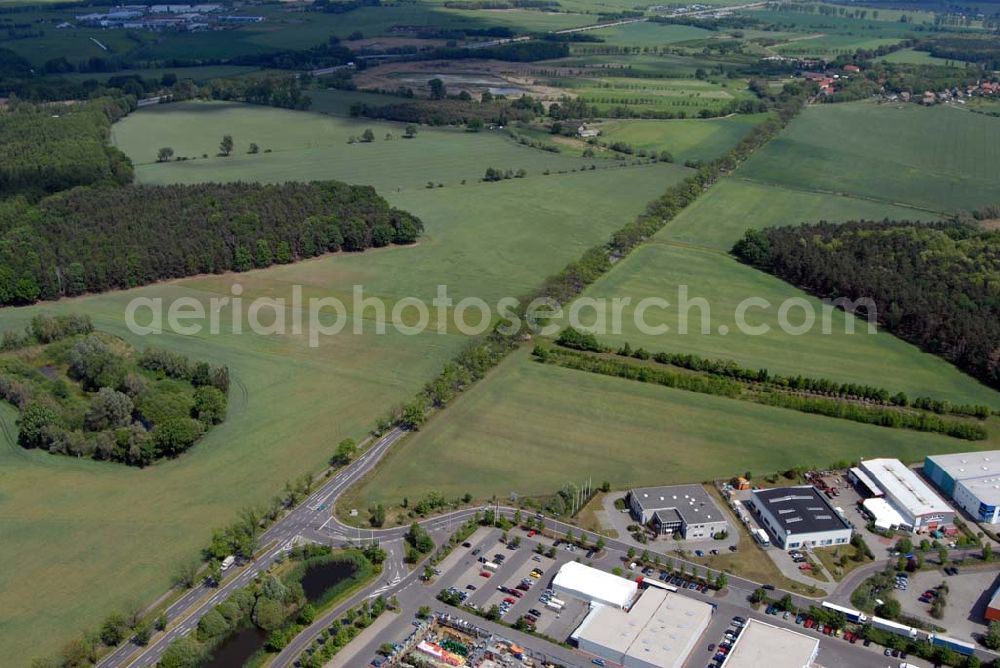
x: 660, y: 631
x: 971, y: 479
x: 919, y: 506
x: 595, y: 586
x: 762, y: 644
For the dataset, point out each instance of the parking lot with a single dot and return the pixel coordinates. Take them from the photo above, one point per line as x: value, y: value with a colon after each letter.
x: 968, y: 594
x: 480, y: 585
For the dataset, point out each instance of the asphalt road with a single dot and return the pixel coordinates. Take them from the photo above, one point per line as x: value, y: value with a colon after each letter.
x: 312, y: 520
x: 304, y: 519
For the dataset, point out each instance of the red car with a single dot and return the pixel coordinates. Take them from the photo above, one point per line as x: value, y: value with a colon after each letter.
x: 531, y: 533
x: 523, y: 587
x: 484, y: 574
x: 517, y: 593
x: 510, y: 600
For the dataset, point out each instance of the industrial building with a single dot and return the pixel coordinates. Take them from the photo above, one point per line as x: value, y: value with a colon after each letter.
x: 684, y: 509
x: 798, y: 517
x: 917, y: 504
x: 992, y: 613
x: 761, y: 644
x: 971, y: 480
x: 660, y: 631
x: 595, y: 586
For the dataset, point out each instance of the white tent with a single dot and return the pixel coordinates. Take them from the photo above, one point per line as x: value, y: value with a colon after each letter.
x: 593, y: 585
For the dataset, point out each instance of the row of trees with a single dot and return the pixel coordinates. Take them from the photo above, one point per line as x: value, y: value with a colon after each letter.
x: 93, y: 240
x: 935, y: 285
x: 706, y: 383
x: 565, y: 285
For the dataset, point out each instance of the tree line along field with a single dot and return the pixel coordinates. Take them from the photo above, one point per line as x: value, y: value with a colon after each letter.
x: 314, y: 146
x: 939, y: 158
x: 79, y: 538
x: 660, y: 268
x: 494, y: 438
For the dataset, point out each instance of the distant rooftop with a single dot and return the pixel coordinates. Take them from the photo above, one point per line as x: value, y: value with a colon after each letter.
x: 800, y: 509
x: 691, y: 502
x: 979, y: 472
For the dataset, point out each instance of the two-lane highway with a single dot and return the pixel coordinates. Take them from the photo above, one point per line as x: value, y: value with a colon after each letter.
x: 184, y: 613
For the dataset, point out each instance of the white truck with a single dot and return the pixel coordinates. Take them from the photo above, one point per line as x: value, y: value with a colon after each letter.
x: 228, y: 562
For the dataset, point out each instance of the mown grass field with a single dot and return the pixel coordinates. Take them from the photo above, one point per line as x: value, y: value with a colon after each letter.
x: 530, y: 429
x: 938, y: 158
x: 719, y: 218
x: 686, y: 139
x: 660, y: 269
x: 312, y: 146
x: 82, y: 538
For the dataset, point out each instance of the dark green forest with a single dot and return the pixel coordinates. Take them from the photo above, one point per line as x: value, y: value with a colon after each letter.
x: 48, y: 148
x: 935, y: 285
x: 97, y: 239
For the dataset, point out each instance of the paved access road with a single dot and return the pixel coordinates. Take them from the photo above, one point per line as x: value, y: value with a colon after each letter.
x: 308, y: 517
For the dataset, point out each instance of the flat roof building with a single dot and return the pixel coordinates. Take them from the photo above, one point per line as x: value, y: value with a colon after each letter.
x: 761, y: 644
x: 594, y: 586
x: 685, y: 509
x: 971, y: 479
x: 918, y: 504
x: 799, y: 517
x: 660, y: 630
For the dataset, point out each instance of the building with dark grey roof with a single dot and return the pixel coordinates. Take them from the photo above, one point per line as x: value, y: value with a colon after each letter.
x: 684, y: 509
x: 798, y: 517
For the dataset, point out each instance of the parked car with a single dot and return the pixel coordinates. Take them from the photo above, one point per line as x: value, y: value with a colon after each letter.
x: 699, y: 553
x: 471, y: 587
x: 484, y: 574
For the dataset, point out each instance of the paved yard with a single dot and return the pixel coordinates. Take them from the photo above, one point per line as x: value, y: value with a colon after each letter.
x: 968, y: 594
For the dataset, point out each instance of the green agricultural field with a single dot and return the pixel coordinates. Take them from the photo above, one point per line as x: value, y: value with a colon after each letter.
x: 686, y: 139
x: 194, y: 73
x: 669, y: 66
x: 914, y: 57
x: 821, y: 45
x: 75, y: 44
x: 650, y: 34
x: 937, y: 158
x: 679, y: 96
x: 660, y: 269
x: 720, y: 217
x: 312, y: 146
x: 495, y: 439
x: 82, y: 538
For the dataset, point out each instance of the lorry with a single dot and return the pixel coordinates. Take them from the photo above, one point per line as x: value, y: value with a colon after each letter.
x: 960, y: 646
x: 228, y: 562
